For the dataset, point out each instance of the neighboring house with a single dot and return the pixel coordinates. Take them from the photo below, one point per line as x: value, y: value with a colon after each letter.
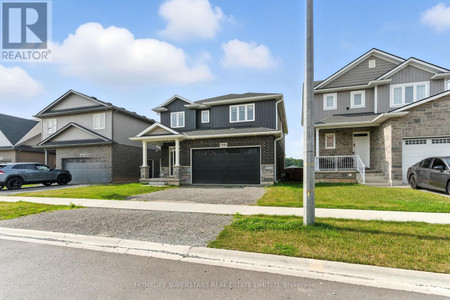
x: 91, y: 139
x: 389, y: 111
x: 231, y: 139
x: 17, y: 138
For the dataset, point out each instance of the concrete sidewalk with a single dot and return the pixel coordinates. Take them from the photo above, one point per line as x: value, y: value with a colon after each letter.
x: 399, y: 279
x: 438, y: 218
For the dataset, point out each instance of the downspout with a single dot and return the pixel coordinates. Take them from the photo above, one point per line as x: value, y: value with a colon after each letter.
x: 275, y: 142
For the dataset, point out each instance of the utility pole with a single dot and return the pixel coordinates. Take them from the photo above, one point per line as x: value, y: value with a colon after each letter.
x: 308, y: 166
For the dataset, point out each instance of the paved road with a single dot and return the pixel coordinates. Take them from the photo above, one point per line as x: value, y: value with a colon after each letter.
x: 35, y: 271
x: 37, y: 188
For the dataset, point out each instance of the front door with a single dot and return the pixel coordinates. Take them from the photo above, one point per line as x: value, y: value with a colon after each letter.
x: 361, y: 146
x: 171, y: 160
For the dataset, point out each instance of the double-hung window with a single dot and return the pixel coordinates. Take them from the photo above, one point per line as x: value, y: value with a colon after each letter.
x: 447, y: 85
x: 357, y: 99
x: 402, y: 94
x: 242, y: 113
x: 99, y: 121
x: 51, y: 125
x: 330, y: 101
x: 205, y: 116
x: 177, y: 119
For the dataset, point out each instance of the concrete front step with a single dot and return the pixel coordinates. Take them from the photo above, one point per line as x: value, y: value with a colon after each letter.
x: 385, y: 183
x: 160, y: 181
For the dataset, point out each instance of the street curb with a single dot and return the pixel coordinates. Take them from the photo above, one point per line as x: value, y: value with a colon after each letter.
x: 381, y: 277
x: 223, y: 209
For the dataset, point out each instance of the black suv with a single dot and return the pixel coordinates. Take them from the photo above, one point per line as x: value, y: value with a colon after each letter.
x: 14, y: 175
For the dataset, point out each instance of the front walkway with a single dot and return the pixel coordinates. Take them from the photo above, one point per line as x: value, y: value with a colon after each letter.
x: 439, y: 218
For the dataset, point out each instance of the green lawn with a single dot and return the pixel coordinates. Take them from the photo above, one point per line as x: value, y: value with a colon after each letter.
x: 405, y: 245
x: 107, y: 192
x: 355, y: 196
x: 10, y: 210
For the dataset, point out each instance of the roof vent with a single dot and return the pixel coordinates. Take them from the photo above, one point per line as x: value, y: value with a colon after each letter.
x: 372, y: 63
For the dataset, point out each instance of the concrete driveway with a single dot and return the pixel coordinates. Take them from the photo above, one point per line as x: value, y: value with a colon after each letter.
x: 37, y: 188
x: 207, y: 194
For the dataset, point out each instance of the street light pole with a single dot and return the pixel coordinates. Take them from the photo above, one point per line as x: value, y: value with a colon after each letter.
x: 308, y: 166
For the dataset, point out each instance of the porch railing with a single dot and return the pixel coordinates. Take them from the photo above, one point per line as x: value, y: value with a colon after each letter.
x: 341, y: 163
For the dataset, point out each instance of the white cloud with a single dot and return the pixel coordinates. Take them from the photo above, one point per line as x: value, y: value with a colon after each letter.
x: 247, y: 55
x: 191, y: 19
x: 437, y: 17
x: 16, y: 84
x: 113, y: 56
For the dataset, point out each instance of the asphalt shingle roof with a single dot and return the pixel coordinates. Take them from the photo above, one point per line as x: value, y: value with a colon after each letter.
x: 228, y: 131
x: 15, y: 128
x: 349, y: 118
x: 235, y: 96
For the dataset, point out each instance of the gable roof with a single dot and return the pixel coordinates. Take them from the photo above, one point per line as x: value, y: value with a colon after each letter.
x: 415, y: 62
x: 14, y: 128
x: 236, y: 96
x: 155, y: 126
x: 96, y: 138
x: 385, y: 55
x: 423, y: 101
x: 97, y: 104
x: 162, y: 107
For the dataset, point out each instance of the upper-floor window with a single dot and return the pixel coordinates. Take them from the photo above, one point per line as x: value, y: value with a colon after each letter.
x: 330, y: 101
x: 205, y: 116
x: 177, y: 119
x: 242, y: 113
x: 406, y: 93
x: 99, y: 121
x: 357, y: 99
x: 51, y: 125
x: 447, y: 85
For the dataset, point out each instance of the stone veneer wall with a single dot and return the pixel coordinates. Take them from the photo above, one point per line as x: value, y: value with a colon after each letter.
x: 426, y: 120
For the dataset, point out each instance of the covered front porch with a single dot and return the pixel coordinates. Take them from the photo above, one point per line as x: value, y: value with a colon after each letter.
x: 159, y: 135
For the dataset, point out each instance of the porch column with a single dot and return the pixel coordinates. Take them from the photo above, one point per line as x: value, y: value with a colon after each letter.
x: 177, y: 153
x: 144, y: 153
x: 145, y: 170
x: 317, y: 142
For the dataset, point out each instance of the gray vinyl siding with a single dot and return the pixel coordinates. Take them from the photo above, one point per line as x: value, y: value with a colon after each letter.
x: 343, y: 102
x: 176, y: 106
x: 410, y: 74
x: 264, y: 116
x: 126, y: 127
x: 86, y: 120
x: 73, y: 101
x: 201, y: 125
x: 361, y: 74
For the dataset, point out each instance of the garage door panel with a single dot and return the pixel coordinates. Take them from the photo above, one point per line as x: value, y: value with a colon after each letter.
x: 415, y: 150
x: 226, y: 166
x: 88, y: 170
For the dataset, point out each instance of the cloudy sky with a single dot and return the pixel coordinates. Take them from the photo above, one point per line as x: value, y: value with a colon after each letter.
x: 137, y: 54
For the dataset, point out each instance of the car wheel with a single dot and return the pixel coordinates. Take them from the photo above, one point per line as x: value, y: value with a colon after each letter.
x: 47, y: 183
x: 14, y: 184
x: 63, y: 180
x: 413, y: 182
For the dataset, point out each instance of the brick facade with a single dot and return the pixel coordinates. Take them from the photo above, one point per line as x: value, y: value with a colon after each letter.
x: 127, y: 160
x: 265, y: 142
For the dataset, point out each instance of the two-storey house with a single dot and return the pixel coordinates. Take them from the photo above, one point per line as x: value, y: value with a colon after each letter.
x: 17, y: 138
x: 91, y: 139
x: 380, y: 114
x: 231, y: 139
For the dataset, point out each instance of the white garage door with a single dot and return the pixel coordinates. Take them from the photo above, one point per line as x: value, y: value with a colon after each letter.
x: 414, y: 150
